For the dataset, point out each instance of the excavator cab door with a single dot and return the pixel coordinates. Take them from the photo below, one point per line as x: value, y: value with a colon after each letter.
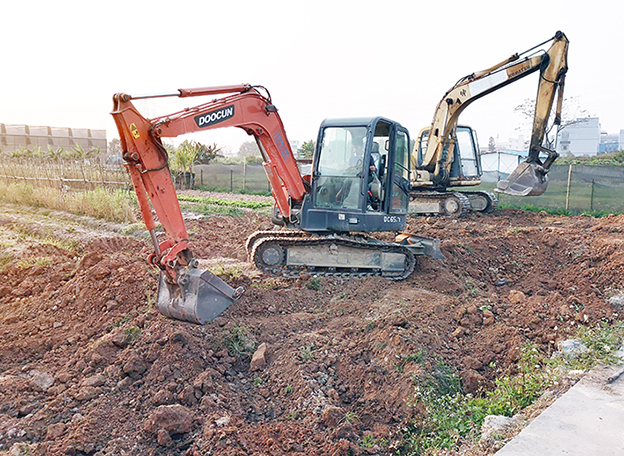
x: 466, y: 153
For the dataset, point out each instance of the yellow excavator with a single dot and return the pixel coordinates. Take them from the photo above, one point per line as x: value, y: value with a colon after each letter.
x: 446, y: 154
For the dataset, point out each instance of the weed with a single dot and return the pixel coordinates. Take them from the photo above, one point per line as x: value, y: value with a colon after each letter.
x: 133, y: 333
x: 225, y: 202
x: 231, y: 272
x: 257, y: 382
x: 123, y: 321
x: 602, y: 342
x: 289, y: 390
x: 306, y: 353
x: 212, y: 209
x: 239, y: 341
x: 116, y: 205
x: 350, y: 417
x: 314, y: 284
x: 293, y: 415
x: 370, y: 441
x: 28, y: 262
x: 150, y: 297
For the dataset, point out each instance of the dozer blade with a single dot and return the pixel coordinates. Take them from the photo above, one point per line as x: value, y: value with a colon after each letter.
x: 528, y: 179
x: 198, y: 297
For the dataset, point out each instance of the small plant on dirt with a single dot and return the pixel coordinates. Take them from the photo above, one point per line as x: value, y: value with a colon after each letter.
x: 369, y: 441
x: 239, y: 341
x: 133, y: 333
x: 289, y: 390
x: 257, y: 382
x: 350, y: 417
x: 150, y: 297
x: 306, y: 353
x: 28, y: 262
x: 122, y: 321
x: 314, y: 284
x: 293, y: 415
x: 602, y: 343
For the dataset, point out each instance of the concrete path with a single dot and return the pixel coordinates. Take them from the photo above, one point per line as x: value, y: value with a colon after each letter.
x: 588, y: 420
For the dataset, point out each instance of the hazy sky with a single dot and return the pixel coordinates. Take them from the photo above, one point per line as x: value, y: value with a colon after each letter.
x: 63, y: 60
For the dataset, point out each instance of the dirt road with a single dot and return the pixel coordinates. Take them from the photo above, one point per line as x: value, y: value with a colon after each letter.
x: 87, y: 366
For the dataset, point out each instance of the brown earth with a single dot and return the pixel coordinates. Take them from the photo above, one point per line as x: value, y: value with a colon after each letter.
x: 87, y: 366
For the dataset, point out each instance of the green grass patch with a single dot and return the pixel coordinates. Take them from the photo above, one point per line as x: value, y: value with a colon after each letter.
x: 212, y: 209
x: 225, y: 202
x: 450, y: 415
x: 240, y: 191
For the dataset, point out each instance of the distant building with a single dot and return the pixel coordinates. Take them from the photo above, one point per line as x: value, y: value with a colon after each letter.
x: 608, y: 143
x: 580, y: 138
x: 15, y: 137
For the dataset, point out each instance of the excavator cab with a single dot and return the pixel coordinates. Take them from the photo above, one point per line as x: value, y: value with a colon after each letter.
x: 360, y: 178
x: 466, y: 166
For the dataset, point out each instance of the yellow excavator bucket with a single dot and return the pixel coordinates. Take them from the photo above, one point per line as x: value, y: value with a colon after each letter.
x: 528, y: 179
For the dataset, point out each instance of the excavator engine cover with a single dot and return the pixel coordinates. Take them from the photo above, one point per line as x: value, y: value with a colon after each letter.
x: 528, y: 179
x: 198, y: 296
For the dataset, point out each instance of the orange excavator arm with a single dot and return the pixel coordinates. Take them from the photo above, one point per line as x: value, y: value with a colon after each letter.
x: 147, y: 162
x: 147, y: 159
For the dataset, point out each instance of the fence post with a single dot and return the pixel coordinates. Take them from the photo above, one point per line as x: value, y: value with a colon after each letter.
x: 567, y: 206
x: 591, y: 198
x: 244, y: 173
x: 201, y: 177
x: 231, y: 183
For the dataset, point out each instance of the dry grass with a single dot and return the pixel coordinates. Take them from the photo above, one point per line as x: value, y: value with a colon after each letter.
x: 116, y: 205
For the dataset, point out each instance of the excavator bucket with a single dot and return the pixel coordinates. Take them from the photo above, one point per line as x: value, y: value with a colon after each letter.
x: 197, y: 297
x: 528, y: 179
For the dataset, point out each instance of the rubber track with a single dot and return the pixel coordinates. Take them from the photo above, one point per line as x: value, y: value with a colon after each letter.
x: 294, y: 238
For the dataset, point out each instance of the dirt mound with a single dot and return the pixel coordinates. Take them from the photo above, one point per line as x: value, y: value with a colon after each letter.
x: 89, y: 367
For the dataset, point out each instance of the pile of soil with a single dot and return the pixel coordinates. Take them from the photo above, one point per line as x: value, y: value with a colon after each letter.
x: 89, y: 367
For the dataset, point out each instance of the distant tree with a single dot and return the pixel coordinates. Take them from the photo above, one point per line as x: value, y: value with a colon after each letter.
x: 207, y: 153
x: 491, y: 144
x: 114, y: 147
x: 571, y: 113
x: 249, y: 153
x: 306, y: 151
x: 248, y: 149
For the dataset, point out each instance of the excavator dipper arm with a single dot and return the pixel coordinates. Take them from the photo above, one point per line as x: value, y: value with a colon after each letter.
x: 186, y: 293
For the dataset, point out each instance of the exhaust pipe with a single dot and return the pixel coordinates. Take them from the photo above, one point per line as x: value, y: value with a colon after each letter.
x: 196, y: 297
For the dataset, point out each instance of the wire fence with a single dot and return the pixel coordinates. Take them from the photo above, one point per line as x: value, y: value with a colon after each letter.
x: 87, y: 176
x: 63, y: 174
x: 578, y: 189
